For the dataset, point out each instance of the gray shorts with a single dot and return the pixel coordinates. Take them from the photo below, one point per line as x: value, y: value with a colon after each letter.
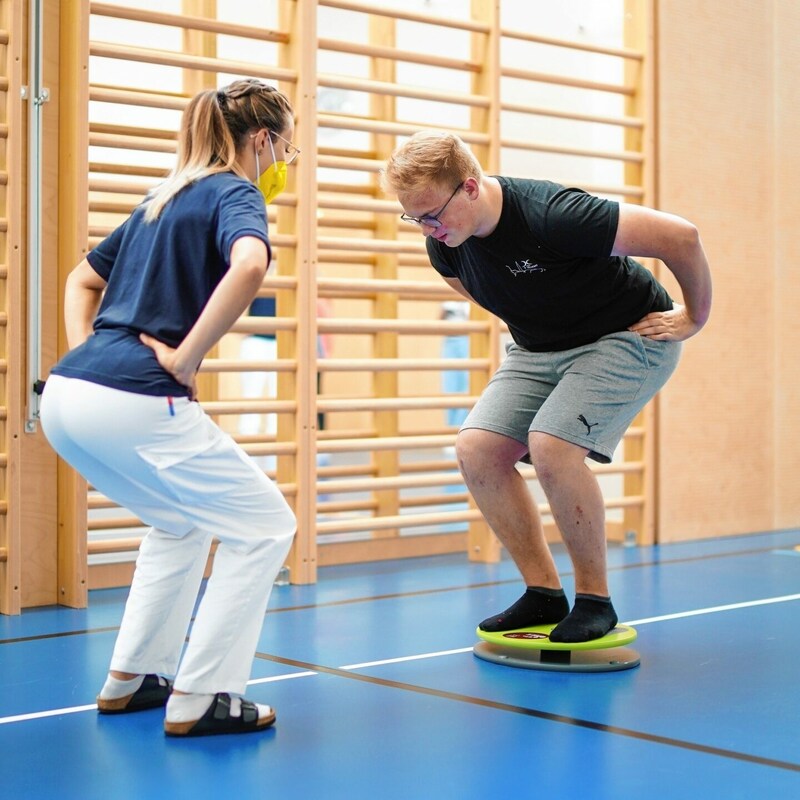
x: 588, y: 395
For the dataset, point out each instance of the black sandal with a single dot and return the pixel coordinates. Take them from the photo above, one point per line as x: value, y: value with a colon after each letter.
x: 218, y: 720
x: 153, y: 693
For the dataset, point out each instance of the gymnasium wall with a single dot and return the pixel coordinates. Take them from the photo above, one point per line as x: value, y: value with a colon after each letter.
x: 727, y: 134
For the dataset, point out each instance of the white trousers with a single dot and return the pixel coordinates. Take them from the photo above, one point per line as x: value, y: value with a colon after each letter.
x: 182, y: 475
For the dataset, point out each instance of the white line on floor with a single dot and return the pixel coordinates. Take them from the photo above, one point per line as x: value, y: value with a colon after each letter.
x: 288, y: 677
x: 715, y: 609
x: 407, y: 658
x: 56, y: 712
x: 646, y: 621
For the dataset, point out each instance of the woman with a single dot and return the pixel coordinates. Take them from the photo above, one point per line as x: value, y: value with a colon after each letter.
x: 141, y: 311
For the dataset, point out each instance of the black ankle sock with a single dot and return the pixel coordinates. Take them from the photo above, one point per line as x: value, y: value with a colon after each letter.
x: 538, y: 606
x: 591, y: 617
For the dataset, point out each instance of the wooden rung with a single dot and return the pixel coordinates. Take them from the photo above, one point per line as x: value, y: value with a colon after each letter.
x: 621, y: 52
x: 132, y: 130
x: 106, y: 524
x: 237, y: 365
x: 397, y: 521
x: 270, y: 449
x: 327, y: 257
x: 400, y: 326
x: 349, y: 469
x: 395, y: 403
x: 396, y: 13
x: 399, y: 90
x: 370, y: 245
x: 345, y: 434
x: 263, y: 324
x: 575, y: 116
x: 383, y: 443
x: 339, y: 202
x: 274, y: 282
x: 359, y: 548
x: 143, y: 143
x: 375, y: 285
x: 597, y: 188
x: 400, y: 364
x: 133, y: 97
x: 396, y: 54
x: 338, y: 507
x: 215, y: 407
x: 128, y: 169
x: 564, y: 80
x: 446, y: 464
x: 342, y: 122
x: 631, y: 501
x: 434, y: 500
x: 188, y: 22
x: 107, y: 546
x: 383, y: 484
x: 166, y: 58
x: 615, y: 468
x: 539, y: 147
x: 350, y: 163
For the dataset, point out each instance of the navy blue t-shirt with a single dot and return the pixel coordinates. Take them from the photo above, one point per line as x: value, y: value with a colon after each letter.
x: 546, y: 269
x: 160, y: 276
x: 263, y: 307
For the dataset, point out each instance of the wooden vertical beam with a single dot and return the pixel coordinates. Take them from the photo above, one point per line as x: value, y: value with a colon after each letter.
x: 382, y: 33
x: 482, y: 544
x: 300, y: 54
x: 73, y: 192
x: 201, y: 43
x: 639, y: 521
x: 13, y: 193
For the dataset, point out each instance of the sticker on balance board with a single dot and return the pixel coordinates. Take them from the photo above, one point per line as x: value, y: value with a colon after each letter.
x: 528, y: 635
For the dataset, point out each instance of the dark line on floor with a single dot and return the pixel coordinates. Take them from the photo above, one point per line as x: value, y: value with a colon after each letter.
x: 532, y: 712
x: 44, y: 636
x: 419, y: 592
x: 486, y: 584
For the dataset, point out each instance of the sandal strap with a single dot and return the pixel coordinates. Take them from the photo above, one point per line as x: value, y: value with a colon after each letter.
x: 249, y: 712
x: 218, y: 719
x: 222, y: 706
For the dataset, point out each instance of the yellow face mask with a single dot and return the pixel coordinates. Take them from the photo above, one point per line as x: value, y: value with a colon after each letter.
x: 273, y: 181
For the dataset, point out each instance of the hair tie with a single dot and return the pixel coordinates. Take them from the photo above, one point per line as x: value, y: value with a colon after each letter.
x: 221, y: 96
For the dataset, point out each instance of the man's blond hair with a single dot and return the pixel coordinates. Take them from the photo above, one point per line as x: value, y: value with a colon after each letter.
x: 429, y: 158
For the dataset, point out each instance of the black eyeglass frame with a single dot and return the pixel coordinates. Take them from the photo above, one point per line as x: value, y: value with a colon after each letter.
x: 432, y: 220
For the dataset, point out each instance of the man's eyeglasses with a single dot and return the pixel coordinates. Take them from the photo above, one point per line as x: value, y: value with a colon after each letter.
x: 290, y: 150
x: 431, y: 220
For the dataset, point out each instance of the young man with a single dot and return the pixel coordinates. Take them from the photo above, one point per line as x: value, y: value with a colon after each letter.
x: 595, y: 337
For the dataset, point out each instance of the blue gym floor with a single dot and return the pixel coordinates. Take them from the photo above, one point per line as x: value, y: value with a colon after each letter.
x: 379, y: 696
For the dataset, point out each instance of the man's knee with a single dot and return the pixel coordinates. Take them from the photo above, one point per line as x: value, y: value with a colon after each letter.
x: 550, y: 455
x: 478, y: 450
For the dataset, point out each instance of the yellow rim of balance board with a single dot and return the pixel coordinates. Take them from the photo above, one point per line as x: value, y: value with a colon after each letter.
x: 537, y: 638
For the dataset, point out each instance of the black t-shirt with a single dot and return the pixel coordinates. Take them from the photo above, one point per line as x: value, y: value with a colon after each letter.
x: 546, y: 269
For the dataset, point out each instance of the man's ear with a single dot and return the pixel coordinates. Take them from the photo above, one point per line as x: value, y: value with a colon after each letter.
x: 472, y: 187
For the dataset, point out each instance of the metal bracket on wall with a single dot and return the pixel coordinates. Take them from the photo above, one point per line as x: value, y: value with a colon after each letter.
x: 38, y: 95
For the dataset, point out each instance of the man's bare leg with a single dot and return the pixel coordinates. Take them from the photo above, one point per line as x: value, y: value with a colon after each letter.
x: 577, y: 506
x: 487, y: 461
